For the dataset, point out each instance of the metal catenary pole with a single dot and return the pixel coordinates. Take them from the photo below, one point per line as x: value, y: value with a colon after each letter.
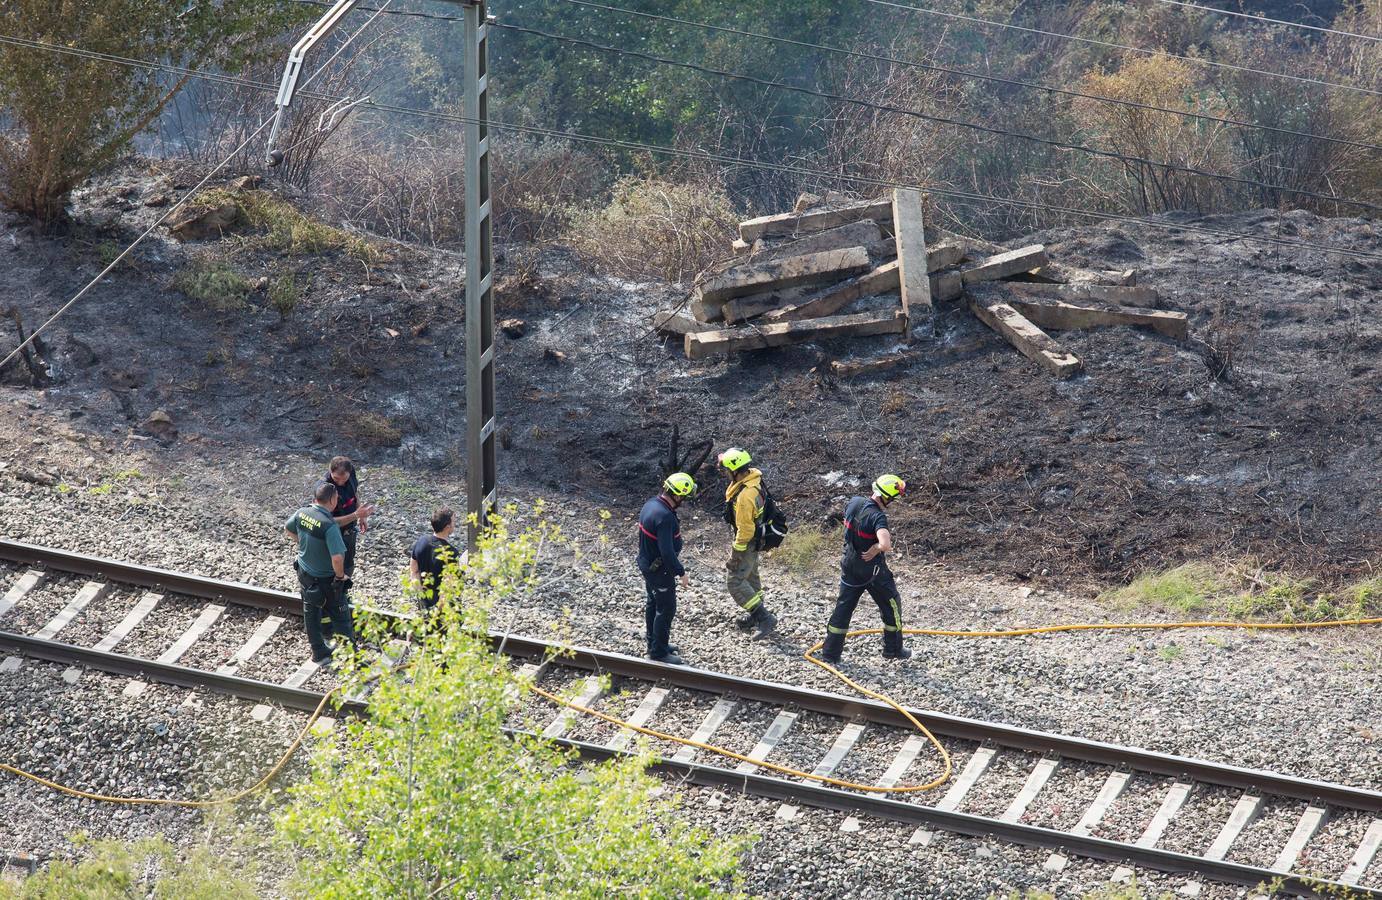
x: 482, y: 495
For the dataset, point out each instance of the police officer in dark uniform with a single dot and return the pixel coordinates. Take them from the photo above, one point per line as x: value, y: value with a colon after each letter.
x: 864, y: 568
x: 659, y: 549
x: 320, y: 566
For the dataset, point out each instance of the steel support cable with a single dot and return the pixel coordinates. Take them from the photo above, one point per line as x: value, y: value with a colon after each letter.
x: 1268, y: 20
x: 941, y: 120
x: 917, y: 64
x: 946, y: 767
x: 726, y: 160
x: 1194, y: 60
x: 178, y: 204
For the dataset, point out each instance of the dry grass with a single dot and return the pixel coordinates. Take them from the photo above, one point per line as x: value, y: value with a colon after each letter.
x: 286, y: 229
x: 1244, y: 590
x: 803, y: 551
x: 656, y: 229
x: 370, y: 429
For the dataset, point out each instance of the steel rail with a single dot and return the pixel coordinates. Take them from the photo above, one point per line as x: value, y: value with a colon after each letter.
x: 167, y: 673
x: 822, y: 797
x: 198, y: 586
x: 765, y: 786
x: 957, y: 727
x: 943, y: 724
x: 148, y: 576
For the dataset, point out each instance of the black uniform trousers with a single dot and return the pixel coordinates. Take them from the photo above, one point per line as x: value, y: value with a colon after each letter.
x: 350, y: 534
x: 661, y: 609
x: 878, y: 580
x: 323, y: 596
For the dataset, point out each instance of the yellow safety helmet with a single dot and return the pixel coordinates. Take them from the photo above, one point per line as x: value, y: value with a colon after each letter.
x: 889, y: 486
x: 679, y: 484
x: 735, y: 459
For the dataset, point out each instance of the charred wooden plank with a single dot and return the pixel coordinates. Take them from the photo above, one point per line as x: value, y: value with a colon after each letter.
x: 755, y: 278
x: 911, y: 252
x: 852, y: 367
x: 780, y: 334
x: 880, y: 211
x: 1013, y: 262
x: 1052, y: 312
x: 1029, y: 340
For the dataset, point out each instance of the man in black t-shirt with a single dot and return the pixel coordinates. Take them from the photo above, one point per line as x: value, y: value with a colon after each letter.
x: 430, y: 556
x: 865, y: 568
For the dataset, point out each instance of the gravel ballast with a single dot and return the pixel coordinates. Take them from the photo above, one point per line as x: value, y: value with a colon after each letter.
x: 1308, y: 705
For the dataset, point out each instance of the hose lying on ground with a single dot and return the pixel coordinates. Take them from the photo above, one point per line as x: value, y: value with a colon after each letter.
x: 946, y: 768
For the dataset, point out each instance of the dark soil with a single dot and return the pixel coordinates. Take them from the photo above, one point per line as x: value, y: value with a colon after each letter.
x: 1259, y: 437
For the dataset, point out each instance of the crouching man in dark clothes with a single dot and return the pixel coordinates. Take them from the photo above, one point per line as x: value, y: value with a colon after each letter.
x: 659, y: 549
x: 430, y: 556
x: 320, y: 565
x: 865, y: 568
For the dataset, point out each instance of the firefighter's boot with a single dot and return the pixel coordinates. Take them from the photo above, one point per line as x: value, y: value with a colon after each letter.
x: 834, y: 646
x: 892, y: 646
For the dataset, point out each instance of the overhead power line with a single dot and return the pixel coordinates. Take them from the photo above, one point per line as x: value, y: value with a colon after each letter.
x: 883, y: 183
x: 917, y: 64
x: 721, y: 159
x: 966, y: 73
x: 1193, y: 60
x: 1270, y: 21
x: 943, y: 120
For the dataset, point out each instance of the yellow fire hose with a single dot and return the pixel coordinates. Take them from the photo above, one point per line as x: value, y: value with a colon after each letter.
x: 724, y: 751
x: 194, y: 804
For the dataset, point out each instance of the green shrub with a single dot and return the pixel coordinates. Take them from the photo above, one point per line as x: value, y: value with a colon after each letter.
x: 286, y: 229
x: 107, y: 252
x: 1245, y: 591
x: 430, y: 796
x: 214, y: 285
x: 1364, y: 598
x: 150, y: 868
x: 67, y: 116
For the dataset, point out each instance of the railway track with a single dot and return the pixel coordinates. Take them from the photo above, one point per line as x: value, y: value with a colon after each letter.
x: 1331, y: 821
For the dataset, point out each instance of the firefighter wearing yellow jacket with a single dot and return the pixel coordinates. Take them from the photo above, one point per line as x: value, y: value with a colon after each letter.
x: 744, y: 513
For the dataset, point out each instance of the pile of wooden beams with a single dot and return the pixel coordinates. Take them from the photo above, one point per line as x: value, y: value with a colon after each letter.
x: 796, y: 274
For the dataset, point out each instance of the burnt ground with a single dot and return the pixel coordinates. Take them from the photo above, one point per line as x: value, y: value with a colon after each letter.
x: 1258, y: 438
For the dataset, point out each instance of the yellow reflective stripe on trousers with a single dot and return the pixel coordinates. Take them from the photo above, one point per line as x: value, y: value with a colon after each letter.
x: 753, y: 601
x: 897, y: 616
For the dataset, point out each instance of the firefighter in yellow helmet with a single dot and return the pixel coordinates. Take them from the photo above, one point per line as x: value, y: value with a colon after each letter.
x: 744, y: 512
x: 865, y: 568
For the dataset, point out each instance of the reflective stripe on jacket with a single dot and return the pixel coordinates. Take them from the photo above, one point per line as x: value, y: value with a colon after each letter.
x: 748, y: 507
x: 659, y: 539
